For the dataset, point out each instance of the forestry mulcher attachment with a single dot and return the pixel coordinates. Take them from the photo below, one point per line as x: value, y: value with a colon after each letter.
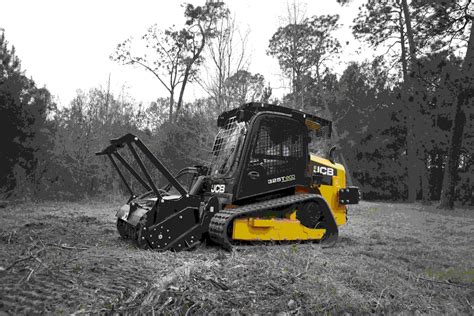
x: 263, y: 184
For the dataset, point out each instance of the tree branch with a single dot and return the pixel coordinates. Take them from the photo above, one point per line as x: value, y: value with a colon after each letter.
x: 133, y: 61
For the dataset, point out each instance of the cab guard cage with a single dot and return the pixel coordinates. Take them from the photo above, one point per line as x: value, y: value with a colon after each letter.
x: 248, y: 111
x: 133, y: 141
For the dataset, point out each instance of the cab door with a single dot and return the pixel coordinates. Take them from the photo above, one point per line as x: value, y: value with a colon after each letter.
x: 275, y: 155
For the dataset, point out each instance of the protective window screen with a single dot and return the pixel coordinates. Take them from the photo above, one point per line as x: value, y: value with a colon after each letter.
x: 225, y: 147
x: 279, y: 146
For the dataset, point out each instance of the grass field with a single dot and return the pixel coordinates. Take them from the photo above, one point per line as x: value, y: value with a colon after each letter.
x: 65, y: 258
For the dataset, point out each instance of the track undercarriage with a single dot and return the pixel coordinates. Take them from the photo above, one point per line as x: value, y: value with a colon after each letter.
x: 259, y: 221
x: 272, y: 220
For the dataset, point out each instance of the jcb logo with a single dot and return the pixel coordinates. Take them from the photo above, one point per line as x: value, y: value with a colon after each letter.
x: 327, y: 171
x: 218, y: 188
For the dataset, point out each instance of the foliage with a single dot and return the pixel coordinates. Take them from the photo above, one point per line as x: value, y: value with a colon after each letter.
x: 369, y: 120
x: 423, y: 39
x: 444, y: 24
x: 97, y: 116
x: 243, y: 87
x: 370, y: 117
x: 304, y: 48
x: 462, y: 105
x: 420, y: 85
x: 23, y: 112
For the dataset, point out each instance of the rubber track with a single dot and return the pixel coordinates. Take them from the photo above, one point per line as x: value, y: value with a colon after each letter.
x: 221, y: 221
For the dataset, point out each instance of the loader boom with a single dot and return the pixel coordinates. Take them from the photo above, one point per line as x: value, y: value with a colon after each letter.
x: 129, y: 140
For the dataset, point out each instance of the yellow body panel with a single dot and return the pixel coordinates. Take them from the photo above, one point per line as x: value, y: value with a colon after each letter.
x: 273, y: 229
x: 290, y: 228
x: 330, y: 192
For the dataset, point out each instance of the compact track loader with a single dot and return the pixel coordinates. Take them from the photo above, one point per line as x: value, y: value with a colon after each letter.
x: 263, y: 184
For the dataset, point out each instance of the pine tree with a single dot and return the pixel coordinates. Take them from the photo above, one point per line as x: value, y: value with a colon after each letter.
x: 23, y: 112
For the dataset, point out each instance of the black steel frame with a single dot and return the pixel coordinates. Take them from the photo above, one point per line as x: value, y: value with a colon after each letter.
x: 129, y: 139
x: 247, y: 111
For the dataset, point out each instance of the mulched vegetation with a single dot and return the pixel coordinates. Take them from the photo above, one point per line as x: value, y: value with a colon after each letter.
x: 65, y: 258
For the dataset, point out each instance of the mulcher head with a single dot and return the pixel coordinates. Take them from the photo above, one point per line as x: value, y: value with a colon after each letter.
x: 156, y: 218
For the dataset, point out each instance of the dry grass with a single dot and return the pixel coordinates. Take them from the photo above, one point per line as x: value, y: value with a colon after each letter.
x: 391, y: 258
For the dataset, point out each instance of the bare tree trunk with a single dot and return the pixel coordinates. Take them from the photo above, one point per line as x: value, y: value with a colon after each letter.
x: 412, y: 163
x: 425, y: 183
x: 170, y: 118
x: 403, y: 48
x: 107, y: 100
x: 181, y: 92
x: 411, y: 166
x: 464, y: 99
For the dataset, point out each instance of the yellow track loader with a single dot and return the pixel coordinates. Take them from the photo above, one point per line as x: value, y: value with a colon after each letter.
x: 262, y: 184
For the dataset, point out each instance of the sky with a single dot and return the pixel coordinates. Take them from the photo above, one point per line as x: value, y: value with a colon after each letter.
x: 65, y: 45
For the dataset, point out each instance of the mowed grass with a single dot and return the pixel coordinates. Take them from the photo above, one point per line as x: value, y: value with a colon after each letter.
x: 390, y: 258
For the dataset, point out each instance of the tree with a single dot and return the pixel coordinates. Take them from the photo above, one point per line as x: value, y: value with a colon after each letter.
x: 412, y: 82
x: 176, y: 54
x: 243, y: 87
x: 428, y: 34
x: 23, y: 117
x: 370, y: 135
x: 82, y: 129
x: 303, y: 48
x: 438, y: 71
x: 226, y: 55
x: 389, y: 24
x: 464, y: 101
x: 444, y: 26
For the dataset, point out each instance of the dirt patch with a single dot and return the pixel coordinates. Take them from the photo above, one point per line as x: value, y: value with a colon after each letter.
x: 67, y: 258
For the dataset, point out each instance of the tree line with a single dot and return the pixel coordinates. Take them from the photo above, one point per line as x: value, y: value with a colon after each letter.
x: 402, y: 119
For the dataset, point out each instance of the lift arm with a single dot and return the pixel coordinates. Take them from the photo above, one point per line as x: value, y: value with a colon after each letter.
x: 133, y: 143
